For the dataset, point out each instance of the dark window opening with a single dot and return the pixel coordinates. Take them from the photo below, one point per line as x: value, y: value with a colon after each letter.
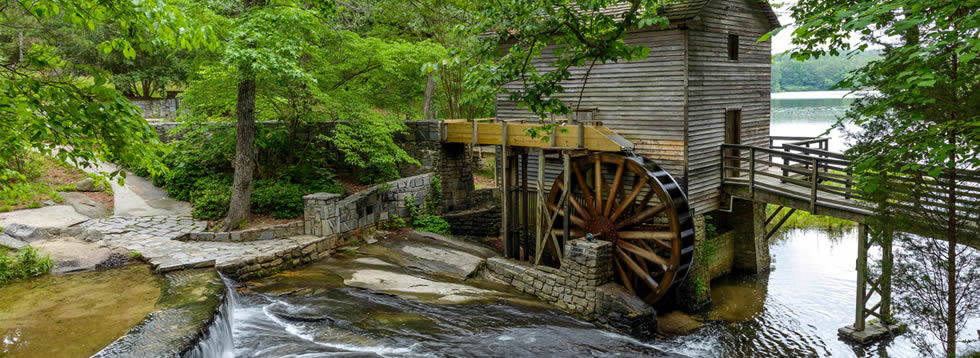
x: 733, y: 135
x: 732, y: 47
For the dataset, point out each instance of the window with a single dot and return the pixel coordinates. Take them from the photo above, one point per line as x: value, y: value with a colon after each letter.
x: 733, y: 47
x: 733, y: 135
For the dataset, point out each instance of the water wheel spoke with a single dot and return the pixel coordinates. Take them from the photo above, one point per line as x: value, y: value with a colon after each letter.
x: 659, y: 238
x: 637, y: 187
x: 642, y: 216
x: 578, y: 207
x: 577, y: 221
x: 645, y: 254
x: 583, y: 185
x: 643, y: 275
x: 617, y: 185
x: 599, y: 182
x: 623, y: 276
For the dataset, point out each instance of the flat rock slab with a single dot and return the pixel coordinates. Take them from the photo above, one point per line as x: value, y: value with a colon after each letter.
x: 10, y: 242
x: 70, y: 254
x: 26, y: 233
x: 85, y: 205
x: 51, y: 216
x: 417, y: 287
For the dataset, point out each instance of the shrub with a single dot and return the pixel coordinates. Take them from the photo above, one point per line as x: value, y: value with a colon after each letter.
x: 431, y: 223
x: 424, y: 220
x: 211, y: 197
x: 282, y: 200
x: 25, y: 264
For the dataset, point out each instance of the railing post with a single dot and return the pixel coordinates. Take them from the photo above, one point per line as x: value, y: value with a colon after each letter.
x: 847, y: 183
x: 752, y: 172
x: 723, y: 164
x: 813, y: 187
x: 861, y: 265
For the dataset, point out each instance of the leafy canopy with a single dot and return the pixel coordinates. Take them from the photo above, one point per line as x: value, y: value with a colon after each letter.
x: 71, y: 110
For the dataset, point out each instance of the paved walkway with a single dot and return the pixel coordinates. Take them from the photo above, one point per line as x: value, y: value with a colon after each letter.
x: 153, y: 237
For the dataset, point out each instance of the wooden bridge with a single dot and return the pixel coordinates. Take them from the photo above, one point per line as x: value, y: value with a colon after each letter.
x: 801, y: 173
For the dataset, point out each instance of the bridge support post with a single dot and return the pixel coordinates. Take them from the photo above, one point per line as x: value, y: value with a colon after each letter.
x: 751, y: 246
x: 869, y: 285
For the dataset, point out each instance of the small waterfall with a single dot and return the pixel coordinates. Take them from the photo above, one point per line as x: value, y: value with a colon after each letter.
x: 218, y: 341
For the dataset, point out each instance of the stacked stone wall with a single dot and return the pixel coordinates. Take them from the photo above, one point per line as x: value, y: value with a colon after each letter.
x: 272, y: 232
x: 477, y: 223
x: 574, y: 287
x: 326, y: 214
x: 273, y: 262
x: 158, y: 108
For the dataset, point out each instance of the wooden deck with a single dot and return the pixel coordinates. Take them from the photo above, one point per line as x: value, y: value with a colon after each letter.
x: 802, y: 174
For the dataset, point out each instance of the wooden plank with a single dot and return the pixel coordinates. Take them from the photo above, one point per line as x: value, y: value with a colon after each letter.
x: 568, y: 136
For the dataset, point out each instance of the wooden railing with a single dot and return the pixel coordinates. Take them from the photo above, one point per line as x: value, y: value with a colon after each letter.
x: 804, y: 169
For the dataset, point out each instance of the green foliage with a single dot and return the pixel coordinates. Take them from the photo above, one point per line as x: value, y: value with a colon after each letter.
x: 394, y: 223
x: 924, y: 127
x: 135, y: 256
x: 431, y: 223
x: 211, y: 197
x: 815, y: 74
x: 369, y: 145
x: 425, y: 219
x: 281, y: 200
x: 49, y: 102
x: 25, y: 264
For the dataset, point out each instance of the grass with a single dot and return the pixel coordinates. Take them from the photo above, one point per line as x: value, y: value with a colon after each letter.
x: 805, y: 220
x: 45, y: 177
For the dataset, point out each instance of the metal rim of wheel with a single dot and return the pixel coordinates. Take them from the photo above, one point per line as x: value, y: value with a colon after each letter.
x: 647, y: 219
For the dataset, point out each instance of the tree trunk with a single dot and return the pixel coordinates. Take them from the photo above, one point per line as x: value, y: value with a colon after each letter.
x: 241, y: 190
x: 951, y: 252
x: 430, y: 87
x: 20, y: 45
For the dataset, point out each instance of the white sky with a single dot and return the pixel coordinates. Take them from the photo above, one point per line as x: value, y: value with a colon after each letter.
x: 781, y: 42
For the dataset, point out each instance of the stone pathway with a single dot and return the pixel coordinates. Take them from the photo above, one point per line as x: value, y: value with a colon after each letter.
x: 153, y: 237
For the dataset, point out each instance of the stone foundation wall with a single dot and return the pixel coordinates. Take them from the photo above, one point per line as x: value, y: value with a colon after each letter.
x: 723, y: 255
x: 574, y: 287
x: 480, y: 222
x: 326, y: 214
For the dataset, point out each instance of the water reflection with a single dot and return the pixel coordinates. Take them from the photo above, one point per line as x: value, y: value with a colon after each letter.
x: 795, y: 309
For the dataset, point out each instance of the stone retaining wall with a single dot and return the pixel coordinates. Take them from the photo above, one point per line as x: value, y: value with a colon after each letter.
x: 314, y: 249
x: 158, y: 108
x: 573, y: 287
x: 479, y: 223
x: 326, y: 214
x: 280, y: 231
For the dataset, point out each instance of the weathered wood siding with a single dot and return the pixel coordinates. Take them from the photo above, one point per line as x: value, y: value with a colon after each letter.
x: 643, y: 101
x: 717, y: 84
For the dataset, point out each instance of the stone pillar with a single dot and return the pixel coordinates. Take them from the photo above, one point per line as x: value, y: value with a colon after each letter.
x: 751, y: 246
x: 588, y: 263
x: 320, y: 214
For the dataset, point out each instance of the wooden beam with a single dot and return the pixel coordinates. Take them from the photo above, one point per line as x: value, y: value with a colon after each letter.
x: 593, y: 137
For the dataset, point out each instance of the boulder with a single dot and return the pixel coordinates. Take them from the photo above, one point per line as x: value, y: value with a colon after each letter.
x: 85, y: 205
x: 88, y: 184
x: 25, y: 232
x: 7, y: 241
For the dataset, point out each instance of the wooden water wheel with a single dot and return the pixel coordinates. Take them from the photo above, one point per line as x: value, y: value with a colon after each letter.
x: 642, y: 212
